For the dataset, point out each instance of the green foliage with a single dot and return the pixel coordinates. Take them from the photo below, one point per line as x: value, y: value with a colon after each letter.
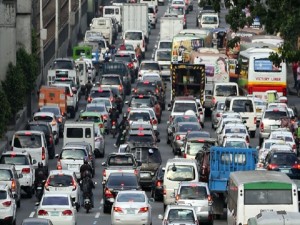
x: 14, y: 88
x: 214, y: 3
x: 5, y: 112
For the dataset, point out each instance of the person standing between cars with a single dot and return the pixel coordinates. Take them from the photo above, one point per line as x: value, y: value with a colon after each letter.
x: 121, y: 128
x: 138, y: 52
x: 40, y: 174
x: 294, y: 68
x: 87, y: 185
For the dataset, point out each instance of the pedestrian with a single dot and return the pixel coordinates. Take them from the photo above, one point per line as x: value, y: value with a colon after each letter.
x: 294, y: 68
x: 298, y: 79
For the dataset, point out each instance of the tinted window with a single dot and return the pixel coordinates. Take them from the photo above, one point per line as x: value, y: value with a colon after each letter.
x: 183, y: 107
x: 101, y: 93
x: 91, y: 108
x: 146, y: 87
x: 5, y: 175
x: 42, y: 128
x: 95, y: 119
x: 55, y: 200
x: 141, y: 138
x: 123, y: 58
x: 151, y: 10
x: 3, y: 195
x: 14, y: 159
x: 163, y: 55
x: 226, y: 90
x: 185, y: 119
x: 236, y: 144
x: 193, y: 192
x: 105, y: 101
x: 122, y: 181
x: 149, y: 66
x: 135, y: 116
x: 128, y: 197
x: 284, y: 159
x: 75, y: 133
x: 60, y: 180
x: 147, y: 155
x: 122, y: 160
x: 165, y: 45
x: 180, y: 173
x: 275, y: 115
x: 268, y: 197
x: 242, y: 105
x: 73, y: 154
x: 43, y: 118
x: 27, y: 141
x: 198, y: 134
x: 133, y: 36
x: 189, y: 127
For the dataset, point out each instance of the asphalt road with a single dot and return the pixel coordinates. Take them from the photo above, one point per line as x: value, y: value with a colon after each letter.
x: 96, y: 216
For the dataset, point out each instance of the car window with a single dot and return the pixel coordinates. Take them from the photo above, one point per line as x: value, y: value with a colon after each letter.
x: 39, y: 128
x: 133, y: 36
x: 5, y: 175
x: 73, y: 154
x: 149, y: 66
x: 150, y: 10
x: 147, y: 155
x: 43, y: 118
x: 178, y: 119
x: 122, y: 181
x: 62, y: 64
x: 165, y: 45
x: 123, y: 58
x: 275, y: 115
x: 194, y: 147
x: 135, y: 116
x: 60, y: 180
x: 180, y: 214
x: 105, y: 101
x: 3, y: 195
x: 128, y: 197
x: 193, y: 192
x: 140, y: 138
x: 188, y: 127
x: 146, y: 87
x: 95, y: 119
x: 283, y: 159
x: 236, y: 144
x: 235, y: 130
x: 242, y: 105
x: 180, y: 173
x: 75, y: 133
x: 98, y: 108
x: 163, y: 55
x: 100, y: 93
x: 110, y: 80
x: 27, y: 141
x: 184, y: 106
x: 14, y: 159
x: 123, y: 160
x: 53, y: 110
x: 55, y: 200
x: 140, y: 101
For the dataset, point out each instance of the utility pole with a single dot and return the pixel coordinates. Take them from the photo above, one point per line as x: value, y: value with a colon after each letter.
x: 56, y: 27
x: 41, y: 41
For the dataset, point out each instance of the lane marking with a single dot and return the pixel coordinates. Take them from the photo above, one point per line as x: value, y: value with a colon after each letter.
x: 97, y: 215
x: 95, y: 222
x: 101, y: 202
x: 31, y: 214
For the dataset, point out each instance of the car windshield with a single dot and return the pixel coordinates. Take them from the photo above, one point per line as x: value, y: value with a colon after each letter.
x: 180, y: 173
x: 147, y: 155
x: 189, y: 127
x: 120, y: 160
x: 149, y: 66
x: 43, y: 118
x: 236, y: 144
x: 183, y: 107
x: 181, y: 215
x: 200, y: 134
x: 241, y: 105
x: 166, y: 44
x: 3, y: 195
x: 135, y: 116
x: 118, y: 181
x: 100, y: 93
x: 53, y: 110
x: 131, y: 197
x: 123, y: 58
x: 39, y: 127
x: 209, y: 20
x: 163, y: 55
x: 62, y: 64
x: 193, y: 192
x: 235, y: 130
x: 55, y: 200
x: 27, y: 141
x: 93, y: 108
x: 141, y: 101
x: 133, y: 36
x: 73, y: 154
x: 110, y: 80
x: 282, y: 159
x: 5, y: 175
x: 275, y: 115
x: 185, y: 119
x: 140, y: 138
x: 60, y: 180
x: 105, y: 101
x: 151, y: 78
x: 176, y: 10
x: 146, y: 87
x: 14, y: 159
x: 95, y: 119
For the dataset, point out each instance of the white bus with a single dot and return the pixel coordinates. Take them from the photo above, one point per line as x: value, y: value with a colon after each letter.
x: 252, y: 192
x: 257, y: 74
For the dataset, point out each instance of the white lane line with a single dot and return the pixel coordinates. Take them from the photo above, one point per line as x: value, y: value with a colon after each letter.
x: 31, y: 214
x: 97, y: 215
x: 95, y: 222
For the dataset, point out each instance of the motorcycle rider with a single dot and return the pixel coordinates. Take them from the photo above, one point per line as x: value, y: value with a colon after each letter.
x: 114, y: 114
x: 121, y: 127
x: 107, y: 55
x: 88, y: 87
x: 87, y: 185
x: 40, y: 175
x: 85, y: 167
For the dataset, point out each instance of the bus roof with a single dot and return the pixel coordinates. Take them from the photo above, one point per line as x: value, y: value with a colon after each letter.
x: 255, y: 51
x: 252, y: 176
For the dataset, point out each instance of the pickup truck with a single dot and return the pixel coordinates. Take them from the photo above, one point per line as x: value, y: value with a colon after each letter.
x: 120, y: 162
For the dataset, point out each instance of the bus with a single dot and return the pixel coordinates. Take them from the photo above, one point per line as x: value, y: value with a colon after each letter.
x: 252, y: 192
x: 257, y: 74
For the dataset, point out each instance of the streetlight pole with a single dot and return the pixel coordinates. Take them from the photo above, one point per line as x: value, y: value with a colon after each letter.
x: 56, y: 27
x: 41, y: 41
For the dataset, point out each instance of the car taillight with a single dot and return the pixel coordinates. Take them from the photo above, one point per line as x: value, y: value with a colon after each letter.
x: 294, y: 147
x: 136, y: 172
x: 89, y: 99
x: 43, y: 153
x: 59, y: 167
x: 156, y: 90
x: 177, y: 197
x: 114, y: 122
x: 104, y: 173
x: 6, y: 203
x: 128, y: 110
x: 250, y: 90
x: 255, y: 120
x: 177, y: 137
x: 184, y: 155
x: 296, y: 166
x: 272, y: 166
x: 144, y: 210
x: 108, y: 193
x: 74, y: 185
x: 218, y: 115
x: 118, y: 209
x: 158, y: 183
x: 13, y: 185
x: 42, y: 212
x: 101, y: 125
x: 67, y: 212
x: 154, y: 122
x: 105, y: 117
x: 130, y: 65
x: 26, y: 170
x: 261, y: 126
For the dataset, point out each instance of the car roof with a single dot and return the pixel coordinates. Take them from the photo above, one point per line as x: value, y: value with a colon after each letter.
x: 29, y: 132
x: 137, y: 132
x: 57, y: 172
x: 39, y: 220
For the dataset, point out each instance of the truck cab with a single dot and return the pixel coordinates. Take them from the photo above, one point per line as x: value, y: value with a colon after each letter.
x: 105, y: 26
x: 114, y: 11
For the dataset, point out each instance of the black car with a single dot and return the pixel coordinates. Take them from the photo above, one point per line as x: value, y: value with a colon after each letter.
x: 36, y: 221
x: 128, y: 60
x: 157, y: 189
x: 150, y: 157
x: 118, y: 182
x: 46, y: 128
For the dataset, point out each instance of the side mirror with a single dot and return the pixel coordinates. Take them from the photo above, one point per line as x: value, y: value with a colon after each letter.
x: 56, y: 156
x: 160, y: 217
x: 20, y: 175
x: 34, y: 161
x: 126, y: 102
x: 103, y: 164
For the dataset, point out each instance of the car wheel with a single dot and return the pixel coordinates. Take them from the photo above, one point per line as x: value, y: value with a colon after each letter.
x: 105, y: 209
x: 19, y: 203
x: 29, y: 192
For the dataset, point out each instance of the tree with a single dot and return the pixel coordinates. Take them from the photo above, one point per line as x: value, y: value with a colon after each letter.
x: 14, y: 88
x: 5, y: 112
x: 278, y: 16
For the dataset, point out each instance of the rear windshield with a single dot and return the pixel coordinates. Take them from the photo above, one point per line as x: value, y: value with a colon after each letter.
x: 149, y: 66
x: 5, y: 175
x: 226, y: 90
x: 181, y: 215
x: 96, y: 108
x: 194, y: 147
x: 95, y: 119
x: 236, y: 144
x: 123, y: 58
x: 42, y: 128
x: 3, y: 195
x: 180, y: 173
x: 209, y: 20
x: 43, y: 118
x: 165, y: 45
x: 146, y: 87
x: 147, y: 155
x: 73, y: 154
x: 242, y: 105
x: 101, y: 93
x: 141, y: 138
x: 275, y: 115
x: 63, y: 64
x: 189, y: 127
x: 27, y: 141
x: 284, y: 159
x: 133, y: 36
x: 183, y: 107
x: 55, y: 200
x: 60, y: 180
x: 123, y: 160
x: 53, y: 110
x: 235, y: 130
x: 163, y: 55
x: 176, y: 10
x: 14, y: 159
x: 141, y: 101
x: 193, y: 192
x: 131, y: 197
x: 105, y: 101
x: 185, y: 119
x: 139, y: 116
x: 119, y: 181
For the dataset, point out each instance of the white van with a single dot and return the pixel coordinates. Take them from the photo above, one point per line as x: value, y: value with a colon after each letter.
x: 135, y: 37
x: 275, y: 218
x: 114, y: 11
x: 245, y: 106
x: 209, y: 20
x: 79, y: 132
x: 223, y: 90
x: 176, y: 171
x: 105, y: 26
x: 151, y: 2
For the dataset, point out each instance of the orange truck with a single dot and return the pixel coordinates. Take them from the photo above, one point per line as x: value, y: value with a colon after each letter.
x: 53, y: 96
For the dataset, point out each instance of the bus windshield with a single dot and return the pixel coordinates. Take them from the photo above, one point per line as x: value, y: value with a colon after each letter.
x: 268, y: 197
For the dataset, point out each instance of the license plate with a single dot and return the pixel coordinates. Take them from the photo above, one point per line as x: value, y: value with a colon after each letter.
x: 285, y: 171
x: 59, y: 189
x: 54, y: 213
x: 274, y: 127
x: 130, y: 211
x: 144, y: 175
x: 39, y: 188
x: 73, y: 166
x: 113, y: 127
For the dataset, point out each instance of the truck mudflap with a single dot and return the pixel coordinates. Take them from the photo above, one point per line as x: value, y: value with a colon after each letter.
x: 188, y: 79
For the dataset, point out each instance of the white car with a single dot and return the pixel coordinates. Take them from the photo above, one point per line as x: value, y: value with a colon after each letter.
x: 179, y: 3
x: 131, y: 208
x: 63, y: 182
x: 286, y: 136
x: 59, y: 208
x: 51, y: 119
x: 163, y: 57
x: 143, y: 114
x: 233, y: 129
x: 148, y: 66
x: 235, y: 142
x: 91, y: 68
x: 24, y: 165
x: 151, y: 76
x: 105, y: 101
x: 225, y: 121
x: 8, y: 207
x: 266, y: 146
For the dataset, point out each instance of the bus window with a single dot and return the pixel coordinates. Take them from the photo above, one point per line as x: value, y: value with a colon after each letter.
x: 267, y: 197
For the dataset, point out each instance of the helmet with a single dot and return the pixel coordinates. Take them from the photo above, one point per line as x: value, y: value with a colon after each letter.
x: 87, y: 173
x: 85, y: 160
x: 40, y: 165
x: 189, y: 113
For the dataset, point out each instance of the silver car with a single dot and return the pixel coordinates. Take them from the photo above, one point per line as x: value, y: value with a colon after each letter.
x: 216, y: 114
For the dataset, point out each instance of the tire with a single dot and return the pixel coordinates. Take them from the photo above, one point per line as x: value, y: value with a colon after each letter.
x: 105, y: 209
x: 19, y: 203
x: 29, y: 192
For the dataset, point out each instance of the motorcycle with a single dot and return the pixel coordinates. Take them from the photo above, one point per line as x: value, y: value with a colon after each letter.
x: 39, y: 190
x: 87, y: 203
x: 113, y: 128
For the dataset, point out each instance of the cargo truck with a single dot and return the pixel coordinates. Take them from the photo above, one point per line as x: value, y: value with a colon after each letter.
x: 169, y: 27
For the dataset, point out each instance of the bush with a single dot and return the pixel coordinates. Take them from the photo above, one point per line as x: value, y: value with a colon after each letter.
x: 5, y: 112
